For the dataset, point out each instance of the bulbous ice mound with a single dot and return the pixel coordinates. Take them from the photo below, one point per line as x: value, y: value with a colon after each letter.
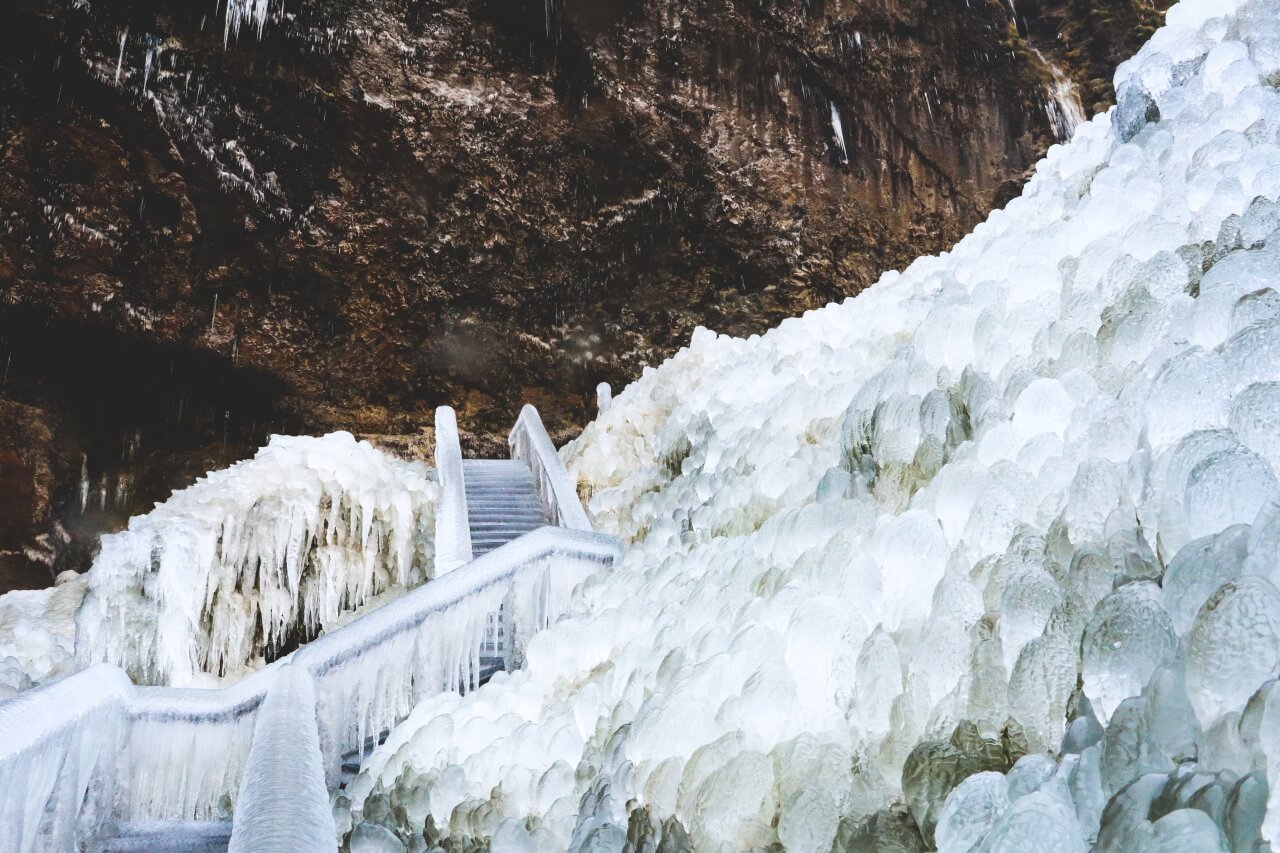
x: 1000, y: 534
x: 250, y: 559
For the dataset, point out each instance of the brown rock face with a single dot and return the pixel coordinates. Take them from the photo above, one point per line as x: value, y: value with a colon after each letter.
x: 384, y: 205
x: 29, y: 470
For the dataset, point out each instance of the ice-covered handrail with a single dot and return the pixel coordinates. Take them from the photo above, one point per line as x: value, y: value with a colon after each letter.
x: 177, y: 753
x: 94, y: 748
x: 496, y: 567
x: 371, y: 673
x: 530, y: 443
x: 52, y: 739
x: 283, y: 802
x: 453, y: 531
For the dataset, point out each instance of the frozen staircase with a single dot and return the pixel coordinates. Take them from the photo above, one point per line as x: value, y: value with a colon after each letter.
x: 502, y: 502
x: 281, y: 740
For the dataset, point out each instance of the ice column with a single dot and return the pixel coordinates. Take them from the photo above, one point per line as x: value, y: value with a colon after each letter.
x: 453, y: 533
x: 283, y: 803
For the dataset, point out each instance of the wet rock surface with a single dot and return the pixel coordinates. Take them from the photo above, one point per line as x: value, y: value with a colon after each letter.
x: 382, y: 206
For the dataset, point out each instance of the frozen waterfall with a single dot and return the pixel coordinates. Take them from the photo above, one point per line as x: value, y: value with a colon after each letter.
x: 985, y: 558
x: 251, y: 559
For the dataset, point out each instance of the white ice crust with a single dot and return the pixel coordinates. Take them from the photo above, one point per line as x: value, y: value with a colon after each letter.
x: 874, y: 551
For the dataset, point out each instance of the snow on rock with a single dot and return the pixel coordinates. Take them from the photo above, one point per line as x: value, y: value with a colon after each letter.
x: 37, y: 633
x: 254, y: 558
x: 875, y: 551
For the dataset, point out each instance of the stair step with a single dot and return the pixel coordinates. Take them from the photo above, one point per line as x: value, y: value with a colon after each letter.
x: 504, y: 510
x: 524, y: 498
x: 523, y: 495
x: 507, y: 521
x: 516, y: 497
x: 163, y: 837
x: 505, y: 500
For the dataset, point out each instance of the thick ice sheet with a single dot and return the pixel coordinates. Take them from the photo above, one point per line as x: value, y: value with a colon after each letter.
x: 875, y: 550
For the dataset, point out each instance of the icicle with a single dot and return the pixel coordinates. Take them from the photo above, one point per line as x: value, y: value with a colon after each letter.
x: 1064, y: 109
x: 120, y: 59
x: 838, y: 128
x: 84, y: 482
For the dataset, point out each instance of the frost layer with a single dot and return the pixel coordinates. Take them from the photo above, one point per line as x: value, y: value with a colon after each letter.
x: 255, y: 558
x: 37, y: 633
x: 875, y: 551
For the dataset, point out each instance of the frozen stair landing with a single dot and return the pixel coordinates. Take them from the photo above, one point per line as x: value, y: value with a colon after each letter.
x: 502, y: 502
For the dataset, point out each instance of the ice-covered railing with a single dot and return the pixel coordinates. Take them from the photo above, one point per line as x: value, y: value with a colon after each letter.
x: 370, y: 674
x: 179, y: 753
x: 94, y: 750
x: 453, y: 532
x: 55, y: 741
x: 283, y: 802
x: 530, y: 443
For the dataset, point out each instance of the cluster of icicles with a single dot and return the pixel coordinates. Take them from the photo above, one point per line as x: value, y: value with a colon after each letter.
x: 256, y: 558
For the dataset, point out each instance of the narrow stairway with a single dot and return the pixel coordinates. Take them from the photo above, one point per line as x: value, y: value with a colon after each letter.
x: 502, y: 502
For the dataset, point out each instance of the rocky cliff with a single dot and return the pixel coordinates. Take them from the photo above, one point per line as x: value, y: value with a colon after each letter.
x: 375, y: 206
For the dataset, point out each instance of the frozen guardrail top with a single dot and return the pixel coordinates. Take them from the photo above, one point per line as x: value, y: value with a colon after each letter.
x: 529, y: 442
x: 283, y: 803
x: 453, y: 534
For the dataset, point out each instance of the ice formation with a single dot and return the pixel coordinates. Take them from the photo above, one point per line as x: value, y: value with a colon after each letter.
x: 255, y: 558
x: 37, y: 633
x: 283, y: 799
x: 985, y: 558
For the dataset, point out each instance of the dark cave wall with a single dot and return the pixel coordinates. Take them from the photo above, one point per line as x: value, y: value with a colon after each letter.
x: 384, y: 206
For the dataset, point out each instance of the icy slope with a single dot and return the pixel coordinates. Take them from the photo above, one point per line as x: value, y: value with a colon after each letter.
x: 247, y: 560
x: 875, y: 549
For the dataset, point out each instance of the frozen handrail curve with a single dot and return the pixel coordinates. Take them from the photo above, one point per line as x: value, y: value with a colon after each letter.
x: 530, y: 443
x: 453, y: 531
x: 498, y: 566
x: 283, y: 803
x: 29, y: 718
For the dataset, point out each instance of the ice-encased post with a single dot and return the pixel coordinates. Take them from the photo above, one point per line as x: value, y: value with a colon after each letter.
x: 60, y: 756
x: 283, y: 806
x: 530, y: 444
x: 453, y: 530
x: 604, y: 397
